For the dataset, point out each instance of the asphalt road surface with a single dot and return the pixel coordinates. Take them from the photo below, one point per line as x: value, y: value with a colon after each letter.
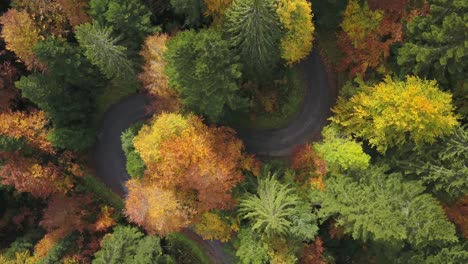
x: 109, y: 159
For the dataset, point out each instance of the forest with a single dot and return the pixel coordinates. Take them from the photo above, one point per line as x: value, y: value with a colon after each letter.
x: 233, y: 131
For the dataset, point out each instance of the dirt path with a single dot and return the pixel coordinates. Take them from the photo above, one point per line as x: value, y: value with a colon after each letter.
x: 110, y: 160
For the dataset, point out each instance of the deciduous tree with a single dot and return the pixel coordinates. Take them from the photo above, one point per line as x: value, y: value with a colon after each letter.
x: 213, y: 226
x: 21, y: 35
x: 395, y: 112
x: 76, y: 11
x: 296, y: 18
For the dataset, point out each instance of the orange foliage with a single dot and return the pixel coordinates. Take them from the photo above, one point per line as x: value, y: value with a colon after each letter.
x: 458, y: 213
x: 158, y: 211
x: 75, y: 10
x: 29, y: 175
x: 371, y: 50
x: 67, y: 214
x: 308, y: 164
x: 313, y: 253
x: 47, y: 243
x: 153, y: 77
x: 28, y: 126
x: 105, y: 219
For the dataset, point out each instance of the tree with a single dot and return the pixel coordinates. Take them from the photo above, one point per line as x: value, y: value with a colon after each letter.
x: 8, y: 92
x: 65, y: 93
x: 367, y: 37
x: 76, y: 11
x: 213, y: 226
x: 130, y: 20
x: 202, y: 164
x: 436, y: 44
x: 395, y: 112
x: 457, y: 212
x: 216, y: 8
x: 341, y: 152
x: 296, y: 18
x: 48, y: 16
x: 373, y: 205
x: 153, y: 77
x: 21, y: 35
x: 442, y: 166
x: 128, y: 245
x: 101, y: 50
x: 192, y: 10
x: 157, y: 210
x: 254, y: 30
x: 276, y: 211
x: 250, y: 249
x: 201, y: 65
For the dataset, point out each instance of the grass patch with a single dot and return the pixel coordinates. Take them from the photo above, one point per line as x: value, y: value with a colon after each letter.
x: 277, y: 110
x: 185, y: 250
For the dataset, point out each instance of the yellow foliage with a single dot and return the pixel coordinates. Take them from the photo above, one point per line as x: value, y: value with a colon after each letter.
x: 105, y: 219
x: 21, y: 258
x: 296, y: 17
x: 392, y: 112
x: 211, y: 226
x: 151, y: 136
x: 216, y: 7
x: 359, y: 22
x: 48, y: 242
x: 20, y: 35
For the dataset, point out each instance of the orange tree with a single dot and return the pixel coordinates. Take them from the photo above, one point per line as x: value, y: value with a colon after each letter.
x: 196, y: 165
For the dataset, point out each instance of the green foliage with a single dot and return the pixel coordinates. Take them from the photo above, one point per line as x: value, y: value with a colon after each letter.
x: 23, y: 243
x: 328, y: 14
x: 341, y: 152
x: 382, y: 207
x: 130, y: 20
x: 205, y: 72
x: 103, y: 194
x: 9, y: 144
x: 65, y: 92
x: 135, y: 164
x: 128, y: 245
x: 59, y: 250
x: 450, y: 255
x: 250, y: 249
x: 192, y: 10
x: 277, y: 211
x: 442, y: 167
x: 436, y: 44
x: 254, y: 30
x: 101, y: 50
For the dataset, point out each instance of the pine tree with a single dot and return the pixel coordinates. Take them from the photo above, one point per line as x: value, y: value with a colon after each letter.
x: 200, y: 66
x: 254, y: 30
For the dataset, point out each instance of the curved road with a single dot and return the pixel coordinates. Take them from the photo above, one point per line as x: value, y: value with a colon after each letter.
x: 110, y: 160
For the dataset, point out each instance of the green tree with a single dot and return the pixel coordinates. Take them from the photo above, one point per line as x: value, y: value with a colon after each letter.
x: 277, y: 210
x: 128, y: 245
x: 393, y: 113
x: 205, y: 72
x: 341, y: 152
x: 65, y: 92
x: 101, y: 50
x: 250, y: 248
x: 373, y: 205
x: 130, y: 20
x: 254, y: 29
x: 442, y: 167
x: 436, y: 43
x: 192, y: 10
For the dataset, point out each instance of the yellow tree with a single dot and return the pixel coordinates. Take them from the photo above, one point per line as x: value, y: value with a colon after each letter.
x: 296, y: 18
x: 212, y: 226
x: 216, y: 8
x: 21, y: 35
x: 395, y: 112
x: 154, y: 79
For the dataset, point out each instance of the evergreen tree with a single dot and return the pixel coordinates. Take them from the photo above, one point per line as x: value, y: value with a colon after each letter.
x: 254, y: 29
x: 205, y: 72
x: 373, y: 205
x: 65, y: 92
x: 192, y: 10
x: 101, y: 50
x: 130, y: 20
x: 128, y: 245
